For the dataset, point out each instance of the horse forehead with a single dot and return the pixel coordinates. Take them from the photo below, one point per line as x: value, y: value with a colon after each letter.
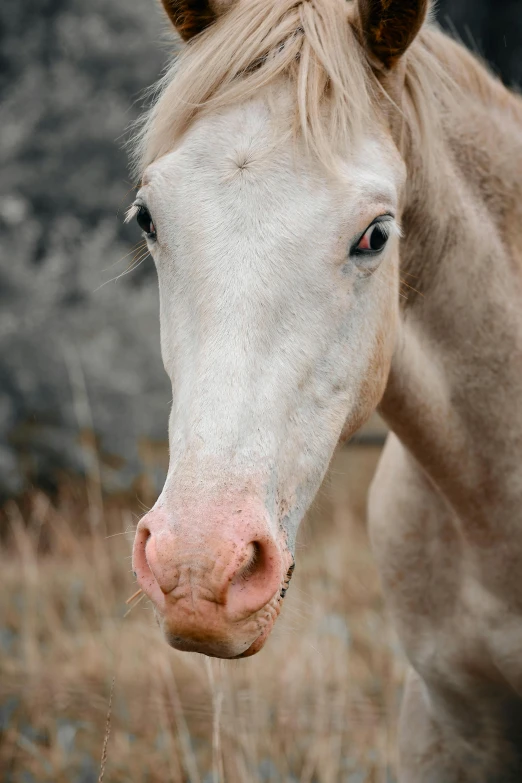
x: 258, y: 136
x: 240, y: 134
x: 206, y: 185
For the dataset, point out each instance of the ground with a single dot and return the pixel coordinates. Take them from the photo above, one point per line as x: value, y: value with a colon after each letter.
x: 317, y: 705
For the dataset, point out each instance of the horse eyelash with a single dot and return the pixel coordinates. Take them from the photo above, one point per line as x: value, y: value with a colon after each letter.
x: 131, y: 213
x: 389, y: 227
x: 385, y: 226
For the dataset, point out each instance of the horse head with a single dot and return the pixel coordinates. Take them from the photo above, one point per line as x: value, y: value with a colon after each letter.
x: 270, y: 198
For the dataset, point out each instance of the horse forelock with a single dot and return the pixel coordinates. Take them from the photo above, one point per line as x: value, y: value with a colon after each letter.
x: 248, y: 48
x: 336, y: 94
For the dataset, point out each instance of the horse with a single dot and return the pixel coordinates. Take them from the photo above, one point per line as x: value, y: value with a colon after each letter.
x: 301, y: 159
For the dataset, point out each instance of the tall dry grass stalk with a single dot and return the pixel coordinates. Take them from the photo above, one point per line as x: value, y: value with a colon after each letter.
x: 103, y: 762
x: 317, y: 705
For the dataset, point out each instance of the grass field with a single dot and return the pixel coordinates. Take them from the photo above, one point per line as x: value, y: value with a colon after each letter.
x: 317, y: 705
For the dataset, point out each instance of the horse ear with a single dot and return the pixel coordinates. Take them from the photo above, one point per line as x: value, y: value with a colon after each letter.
x: 191, y: 17
x: 389, y: 27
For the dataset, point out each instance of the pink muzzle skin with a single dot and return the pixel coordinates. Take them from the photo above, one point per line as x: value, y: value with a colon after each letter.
x: 218, y: 584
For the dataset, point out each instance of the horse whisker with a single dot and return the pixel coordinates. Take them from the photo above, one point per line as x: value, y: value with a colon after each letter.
x: 129, y: 610
x: 133, y: 596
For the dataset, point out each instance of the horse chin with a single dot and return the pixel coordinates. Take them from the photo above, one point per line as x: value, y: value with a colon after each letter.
x: 214, y: 648
x: 258, y: 644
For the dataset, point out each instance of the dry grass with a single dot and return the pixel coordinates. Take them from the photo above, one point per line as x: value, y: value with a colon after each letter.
x: 317, y: 705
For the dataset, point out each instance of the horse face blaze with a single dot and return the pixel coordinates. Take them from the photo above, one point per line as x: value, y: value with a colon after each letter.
x: 278, y: 311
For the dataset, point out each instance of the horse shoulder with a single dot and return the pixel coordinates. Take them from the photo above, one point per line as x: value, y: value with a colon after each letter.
x: 456, y: 630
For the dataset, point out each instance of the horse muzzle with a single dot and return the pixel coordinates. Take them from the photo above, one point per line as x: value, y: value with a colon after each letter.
x: 216, y: 585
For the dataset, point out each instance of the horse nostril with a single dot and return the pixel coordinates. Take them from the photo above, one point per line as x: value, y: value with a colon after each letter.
x: 252, y: 558
x: 140, y: 562
x: 256, y: 580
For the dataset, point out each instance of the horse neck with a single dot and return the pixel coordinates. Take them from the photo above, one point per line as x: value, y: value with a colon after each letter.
x: 455, y: 384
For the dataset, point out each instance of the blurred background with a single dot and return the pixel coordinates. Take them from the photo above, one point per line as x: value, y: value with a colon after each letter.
x: 83, y: 415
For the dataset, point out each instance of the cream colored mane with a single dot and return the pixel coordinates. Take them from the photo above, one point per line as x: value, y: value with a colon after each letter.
x: 248, y: 47
x: 316, y: 44
x: 256, y: 41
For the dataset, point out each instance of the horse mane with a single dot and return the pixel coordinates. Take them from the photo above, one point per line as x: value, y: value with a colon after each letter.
x: 315, y: 43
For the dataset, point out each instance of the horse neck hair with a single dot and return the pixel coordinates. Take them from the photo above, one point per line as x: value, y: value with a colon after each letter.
x: 443, y: 83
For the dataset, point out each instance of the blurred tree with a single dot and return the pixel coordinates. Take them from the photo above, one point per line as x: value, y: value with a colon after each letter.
x: 71, y: 76
x: 69, y: 82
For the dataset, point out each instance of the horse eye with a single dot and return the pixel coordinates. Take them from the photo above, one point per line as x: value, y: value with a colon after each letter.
x: 145, y: 221
x: 373, y: 240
